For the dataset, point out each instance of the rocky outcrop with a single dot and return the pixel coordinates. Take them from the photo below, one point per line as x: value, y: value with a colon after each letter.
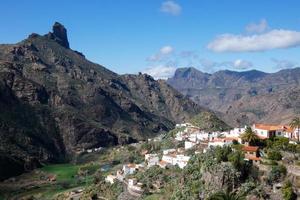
x: 221, y: 178
x: 59, y: 34
x: 54, y: 102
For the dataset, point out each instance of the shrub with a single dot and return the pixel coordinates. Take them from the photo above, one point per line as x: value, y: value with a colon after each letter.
x: 274, y: 155
x: 287, y: 192
x: 278, y: 143
x: 277, y: 173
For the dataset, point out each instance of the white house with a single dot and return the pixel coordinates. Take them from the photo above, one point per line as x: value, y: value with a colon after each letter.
x: 268, y: 130
x: 173, y: 159
x: 129, y: 168
x: 169, y: 158
x: 182, y: 160
x: 183, y: 125
x: 110, y: 179
x: 189, y: 144
x: 220, y: 142
x: 134, y: 187
x: 203, y: 135
x: 236, y: 132
x: 180, y: 136
x: 151, y: 159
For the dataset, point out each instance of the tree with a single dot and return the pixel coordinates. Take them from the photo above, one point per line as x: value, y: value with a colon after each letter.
x: 237, y: 160
x: 278, y: 143
x: 249, y: 136
x: 274, y: 155
x: 226, y: 195
x: 222, y: 153
x: 295, y: 124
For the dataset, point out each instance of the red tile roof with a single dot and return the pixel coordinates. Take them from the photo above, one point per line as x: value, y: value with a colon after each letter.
x: 271, y: 127
x: 250, y: 148
x: 251, y: 157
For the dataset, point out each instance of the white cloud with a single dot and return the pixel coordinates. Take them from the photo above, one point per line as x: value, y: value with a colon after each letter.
x: 274, y: 39
x: 241, y: 64
x: 164, y: 52
x: 285, y: 64
x: 212, y: 66
x: 170, y: 7
x: 160, y: 72
x: 260, y: 27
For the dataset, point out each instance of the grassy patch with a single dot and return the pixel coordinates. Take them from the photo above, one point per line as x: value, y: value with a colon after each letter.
x: 153, y: 197
x: 64, y: 172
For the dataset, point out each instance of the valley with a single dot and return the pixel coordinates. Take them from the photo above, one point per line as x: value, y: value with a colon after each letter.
x: 149, y: 100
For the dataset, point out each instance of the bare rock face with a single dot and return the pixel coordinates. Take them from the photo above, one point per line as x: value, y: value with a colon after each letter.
x: 59, y: 34
x: 221, y: 177
x: 54, y: 102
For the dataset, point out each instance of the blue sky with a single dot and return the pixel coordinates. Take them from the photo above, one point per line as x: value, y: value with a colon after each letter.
x: 157, y: 36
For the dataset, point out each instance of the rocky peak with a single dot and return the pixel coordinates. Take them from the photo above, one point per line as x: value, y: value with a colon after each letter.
x: 188, y: 73
x: 59, y: 34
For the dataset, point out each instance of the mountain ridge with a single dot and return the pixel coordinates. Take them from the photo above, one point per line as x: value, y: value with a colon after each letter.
x: 245, y: 97
x: 65, y: 103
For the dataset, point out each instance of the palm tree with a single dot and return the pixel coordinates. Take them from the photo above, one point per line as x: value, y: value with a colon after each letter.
x: 226, y: 195
x: 295, y: 124
x: 249, y: 136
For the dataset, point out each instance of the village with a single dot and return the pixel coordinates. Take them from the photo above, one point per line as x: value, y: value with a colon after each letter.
x: 199, y: 141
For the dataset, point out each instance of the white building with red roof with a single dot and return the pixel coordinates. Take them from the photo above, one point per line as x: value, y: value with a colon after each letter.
x: 265, y: 131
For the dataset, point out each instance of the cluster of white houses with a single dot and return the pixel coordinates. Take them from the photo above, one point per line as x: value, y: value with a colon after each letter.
x: 170, y: 157
x: 193, y: 137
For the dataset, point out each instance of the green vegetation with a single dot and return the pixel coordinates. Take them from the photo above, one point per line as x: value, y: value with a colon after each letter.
x: 287, y: 192
x: 226, y: 195
x: 63, y: 172
x: 274, y: 155
x: 102, y: 189
x: 220, y: 173
x: 190, y: 182
x: 67, y: 176
x: 222, y: 154
x: 249, y: 136
x: 210, y: 122
x: 278, y: 144
x: 295, y: 123
x: 276, y: 174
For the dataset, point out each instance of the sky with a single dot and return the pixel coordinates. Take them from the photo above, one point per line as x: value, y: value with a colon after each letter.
x: 158, y: 36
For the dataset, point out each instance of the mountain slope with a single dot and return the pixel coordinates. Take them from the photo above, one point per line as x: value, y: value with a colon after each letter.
x: 243, y: 97
x: 54, y: 102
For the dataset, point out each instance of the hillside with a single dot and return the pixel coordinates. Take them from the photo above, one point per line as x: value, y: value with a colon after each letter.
x: 243, y: 97
x: 209, y: 122
x: 54, y: 102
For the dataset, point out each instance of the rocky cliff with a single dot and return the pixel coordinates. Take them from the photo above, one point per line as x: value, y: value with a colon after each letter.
x: 54, y: 102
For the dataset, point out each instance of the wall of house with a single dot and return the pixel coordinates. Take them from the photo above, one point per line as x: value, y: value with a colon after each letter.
x: 261, y: 132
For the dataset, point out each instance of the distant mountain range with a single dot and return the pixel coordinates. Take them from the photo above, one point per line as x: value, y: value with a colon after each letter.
x: 242, y: 98
x: 54, y: 102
